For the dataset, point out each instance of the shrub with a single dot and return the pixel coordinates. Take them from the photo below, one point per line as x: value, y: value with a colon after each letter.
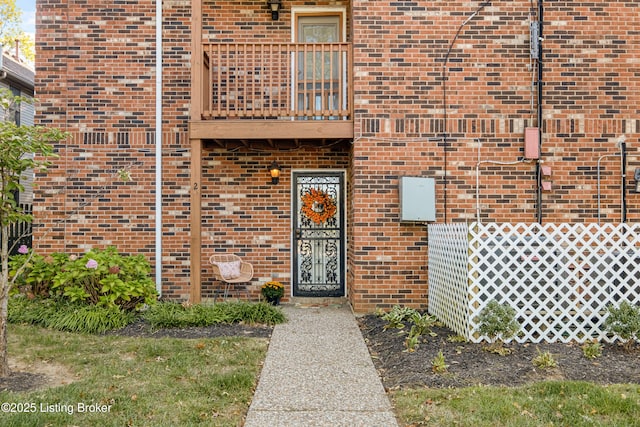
x: 107, y: 279
x: 38, y: 273
x: 103, y: 278
x: 498, y: 323
x: 624, y: 322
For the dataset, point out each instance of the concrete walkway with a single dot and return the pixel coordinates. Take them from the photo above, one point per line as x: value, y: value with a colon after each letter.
x: 318, y: 372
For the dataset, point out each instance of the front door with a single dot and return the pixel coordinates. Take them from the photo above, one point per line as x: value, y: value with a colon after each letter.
x: 318, y: 234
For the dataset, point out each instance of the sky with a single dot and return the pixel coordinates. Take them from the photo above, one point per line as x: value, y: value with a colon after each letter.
x: 28, y: 8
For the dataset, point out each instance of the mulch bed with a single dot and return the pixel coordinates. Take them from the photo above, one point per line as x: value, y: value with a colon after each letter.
x: 141, y: 328
x: 470, y: 364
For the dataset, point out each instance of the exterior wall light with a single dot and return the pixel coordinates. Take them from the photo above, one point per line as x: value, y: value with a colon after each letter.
x: 274, y: 7
x: 274, y: 170
x: 636, y: 176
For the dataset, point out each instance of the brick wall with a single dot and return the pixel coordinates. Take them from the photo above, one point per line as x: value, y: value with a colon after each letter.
x: 95, y: 78
x: 591, y: 89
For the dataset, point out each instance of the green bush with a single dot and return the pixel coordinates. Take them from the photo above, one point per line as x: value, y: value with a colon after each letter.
x: 624, y: 322
x: 103, y: 278
x: 498, y: 323
x: 176, y: 315
x: 36, y: 278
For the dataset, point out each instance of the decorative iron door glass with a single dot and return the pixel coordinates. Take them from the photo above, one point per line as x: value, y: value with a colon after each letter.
x: 318, y: 234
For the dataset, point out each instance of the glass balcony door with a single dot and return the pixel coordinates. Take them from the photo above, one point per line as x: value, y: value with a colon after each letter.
x: 319, y: 71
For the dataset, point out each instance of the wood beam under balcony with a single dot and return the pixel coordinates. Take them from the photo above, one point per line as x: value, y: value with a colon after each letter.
x: 271, y: 129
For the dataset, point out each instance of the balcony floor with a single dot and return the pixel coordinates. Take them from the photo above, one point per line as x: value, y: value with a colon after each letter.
x: 276, y: 134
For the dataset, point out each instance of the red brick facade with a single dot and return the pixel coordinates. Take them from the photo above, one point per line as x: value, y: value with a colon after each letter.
x: 95, y: 78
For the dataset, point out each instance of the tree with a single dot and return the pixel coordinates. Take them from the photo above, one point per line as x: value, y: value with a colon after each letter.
x: 17, y: 144
x: 10, y: 18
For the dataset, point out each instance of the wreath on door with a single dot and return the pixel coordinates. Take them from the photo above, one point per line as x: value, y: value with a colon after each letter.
x: 318, y: 205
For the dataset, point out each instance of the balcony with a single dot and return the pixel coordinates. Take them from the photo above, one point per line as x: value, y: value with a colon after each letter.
x: 273, y: 91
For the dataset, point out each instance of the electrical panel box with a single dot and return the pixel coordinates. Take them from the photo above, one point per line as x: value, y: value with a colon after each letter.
x: 417, y: 199
x: 531, y: 144
x: 534, y: 39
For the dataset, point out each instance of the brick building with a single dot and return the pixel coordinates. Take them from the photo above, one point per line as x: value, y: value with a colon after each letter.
x: 346, y: 97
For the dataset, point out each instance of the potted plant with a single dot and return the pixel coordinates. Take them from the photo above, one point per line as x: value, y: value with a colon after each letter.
x: 272, y: 291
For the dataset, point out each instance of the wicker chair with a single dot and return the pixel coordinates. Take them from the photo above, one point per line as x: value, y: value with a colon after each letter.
x: 229, y: 268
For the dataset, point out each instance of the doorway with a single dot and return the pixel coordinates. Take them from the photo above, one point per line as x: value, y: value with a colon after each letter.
x: 320, y: 70
x: 318, y: 234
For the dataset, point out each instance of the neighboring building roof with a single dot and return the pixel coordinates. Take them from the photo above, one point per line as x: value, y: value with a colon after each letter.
x: 19, y: 74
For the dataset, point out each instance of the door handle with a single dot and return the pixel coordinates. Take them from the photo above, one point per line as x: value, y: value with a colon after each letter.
x: 298, y: 234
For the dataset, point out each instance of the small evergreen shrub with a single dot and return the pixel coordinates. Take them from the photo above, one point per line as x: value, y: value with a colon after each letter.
x: 624, y: 322
x: 498, y: 322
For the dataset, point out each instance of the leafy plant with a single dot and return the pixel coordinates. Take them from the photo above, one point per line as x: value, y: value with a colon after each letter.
x: 438, y: 364
x: 498, y: 322
x: 66, y: 316
x: 592, y: 349
x: 544, y: 360
x: 624, y: 322
x: 411, y: 342
x: 397, y: 316
x: 36, y: 273
x: 422, y: 323
x: 18, y: 144
x: 456, y: 339
x: 173, y: 314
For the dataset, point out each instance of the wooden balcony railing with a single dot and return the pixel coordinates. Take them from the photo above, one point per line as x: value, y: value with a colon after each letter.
x: 298, y: 81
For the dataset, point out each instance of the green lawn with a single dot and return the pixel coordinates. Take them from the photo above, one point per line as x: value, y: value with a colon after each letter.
x: 560, y: 403
x: 118, y: 381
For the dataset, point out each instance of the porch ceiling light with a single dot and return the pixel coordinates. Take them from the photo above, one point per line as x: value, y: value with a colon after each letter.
x: 274, y: 7
x: 274, y: 170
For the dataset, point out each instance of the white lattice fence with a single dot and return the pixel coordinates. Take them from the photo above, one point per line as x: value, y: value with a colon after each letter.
x: 448, y: 272
x: 559, y: 278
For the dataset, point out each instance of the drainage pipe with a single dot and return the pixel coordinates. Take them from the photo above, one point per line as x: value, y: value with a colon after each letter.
x: 540, y: 75
x: 623, y: 167
x: 158, y: 138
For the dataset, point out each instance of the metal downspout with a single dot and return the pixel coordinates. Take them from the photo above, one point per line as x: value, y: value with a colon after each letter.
x: 623, y: 161
x: 158, y: 138
x: 540, y: 75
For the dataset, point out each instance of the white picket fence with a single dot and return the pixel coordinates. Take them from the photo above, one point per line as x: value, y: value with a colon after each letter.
x: 560, y: 278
